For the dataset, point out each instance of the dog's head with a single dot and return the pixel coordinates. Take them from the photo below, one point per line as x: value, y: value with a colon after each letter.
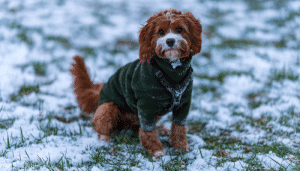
x: 170, y: 34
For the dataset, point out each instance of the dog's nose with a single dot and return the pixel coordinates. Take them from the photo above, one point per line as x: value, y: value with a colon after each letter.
x: 170, y: 42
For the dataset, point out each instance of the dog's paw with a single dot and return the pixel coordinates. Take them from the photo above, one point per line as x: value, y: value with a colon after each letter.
x: 182, y: 147
x: 187, y: 148
x: 158, y: 154
x: 104, y: 138
x: 182, y: 150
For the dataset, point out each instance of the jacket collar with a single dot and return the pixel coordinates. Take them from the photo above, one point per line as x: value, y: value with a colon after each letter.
x: 175, y: 71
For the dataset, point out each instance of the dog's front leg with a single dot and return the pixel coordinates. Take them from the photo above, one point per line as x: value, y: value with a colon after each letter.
x: 178, y: 129
x: 178, y: 137
x: 148, y: 134
x: 151, y: 142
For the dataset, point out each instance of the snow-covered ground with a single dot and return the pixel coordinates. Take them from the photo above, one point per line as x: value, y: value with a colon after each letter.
x: 245, y: 110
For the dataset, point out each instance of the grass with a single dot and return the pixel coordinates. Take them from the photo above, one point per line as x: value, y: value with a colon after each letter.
x: 279, y: 149
x: 256, y: 99
x: 255, y: 5
x: 3, y: 153
x: 224, y: 145
x: 124, y: 152
x: 121, y: 45
x: 114, y: 158
x: 283, y: 20
x: 212, y: 29
x: 25, y: 90
x: 6, y: 123
x: 298, y: 60
x: 217, y: 14
x: 246, y: 44
x: 64, y: 163
x: 208, y: 88
x: 40, y: 68
x: 254, y: 164
x: 178, y: 162
x: 125, y: 137
x: 217, y: 142
x: 88, y: 51
x: 14, y: 142
x: 63, y: 41
x: 23, y: 35
x: 239, y: 44
x: 196, y: 127
x: 206, y: 54
x: 48, y: 128
x: 282, y: 74
x: 230, y: 56
x: 220, y: 77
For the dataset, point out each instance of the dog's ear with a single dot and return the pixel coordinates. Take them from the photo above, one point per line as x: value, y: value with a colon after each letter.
x: 145, y: 38
x: 195, y: 29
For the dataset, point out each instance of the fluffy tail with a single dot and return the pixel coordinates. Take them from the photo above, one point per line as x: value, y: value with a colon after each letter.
x: 87, y: 93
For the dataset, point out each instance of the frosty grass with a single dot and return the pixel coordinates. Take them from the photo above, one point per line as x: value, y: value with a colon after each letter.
x: 245, y: 112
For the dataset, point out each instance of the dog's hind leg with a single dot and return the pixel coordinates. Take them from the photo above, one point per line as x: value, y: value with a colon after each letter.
x: 105, y: 120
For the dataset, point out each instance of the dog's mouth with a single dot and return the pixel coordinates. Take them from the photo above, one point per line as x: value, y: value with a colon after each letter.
x: 172, y: 54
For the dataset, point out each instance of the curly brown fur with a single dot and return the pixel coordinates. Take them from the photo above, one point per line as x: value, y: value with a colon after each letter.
x: 86, y: 91
x: 129, y: 121
x: 149, y: 34
x: 151, y: 142
x: 106, y: 118
x: 87, y: 94
x: 178, y: 137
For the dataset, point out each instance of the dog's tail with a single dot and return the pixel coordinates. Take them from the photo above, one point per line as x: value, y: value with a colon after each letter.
x: 87, y: 93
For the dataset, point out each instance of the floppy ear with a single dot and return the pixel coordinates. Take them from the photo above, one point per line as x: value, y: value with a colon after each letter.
x: 145, y: 37
x: 195, y: 29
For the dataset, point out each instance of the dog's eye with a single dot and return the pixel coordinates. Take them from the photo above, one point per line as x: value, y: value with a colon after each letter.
x: 161, y: 32
x: 179, y: 30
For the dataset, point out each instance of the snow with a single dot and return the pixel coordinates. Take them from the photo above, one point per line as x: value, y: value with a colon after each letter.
x: 175, y: 64
x: 271, y: 160
x: 54, y: 31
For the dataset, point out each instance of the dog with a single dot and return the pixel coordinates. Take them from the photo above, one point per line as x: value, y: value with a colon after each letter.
x: 139, y: 93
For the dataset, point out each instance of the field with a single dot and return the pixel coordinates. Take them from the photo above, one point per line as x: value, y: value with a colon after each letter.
x: 245, y: 112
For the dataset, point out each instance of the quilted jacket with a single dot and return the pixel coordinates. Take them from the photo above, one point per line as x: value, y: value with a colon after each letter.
x: 151, y: 89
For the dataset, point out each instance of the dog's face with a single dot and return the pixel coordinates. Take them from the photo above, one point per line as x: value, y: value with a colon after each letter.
x: 170, y: 35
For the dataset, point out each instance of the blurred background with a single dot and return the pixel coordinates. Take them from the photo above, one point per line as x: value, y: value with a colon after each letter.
x: 39, y: 38
x: 255, y: 39
x: 247, y: 72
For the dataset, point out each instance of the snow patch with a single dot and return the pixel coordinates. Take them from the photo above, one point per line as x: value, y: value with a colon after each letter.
x: 175, y: 63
